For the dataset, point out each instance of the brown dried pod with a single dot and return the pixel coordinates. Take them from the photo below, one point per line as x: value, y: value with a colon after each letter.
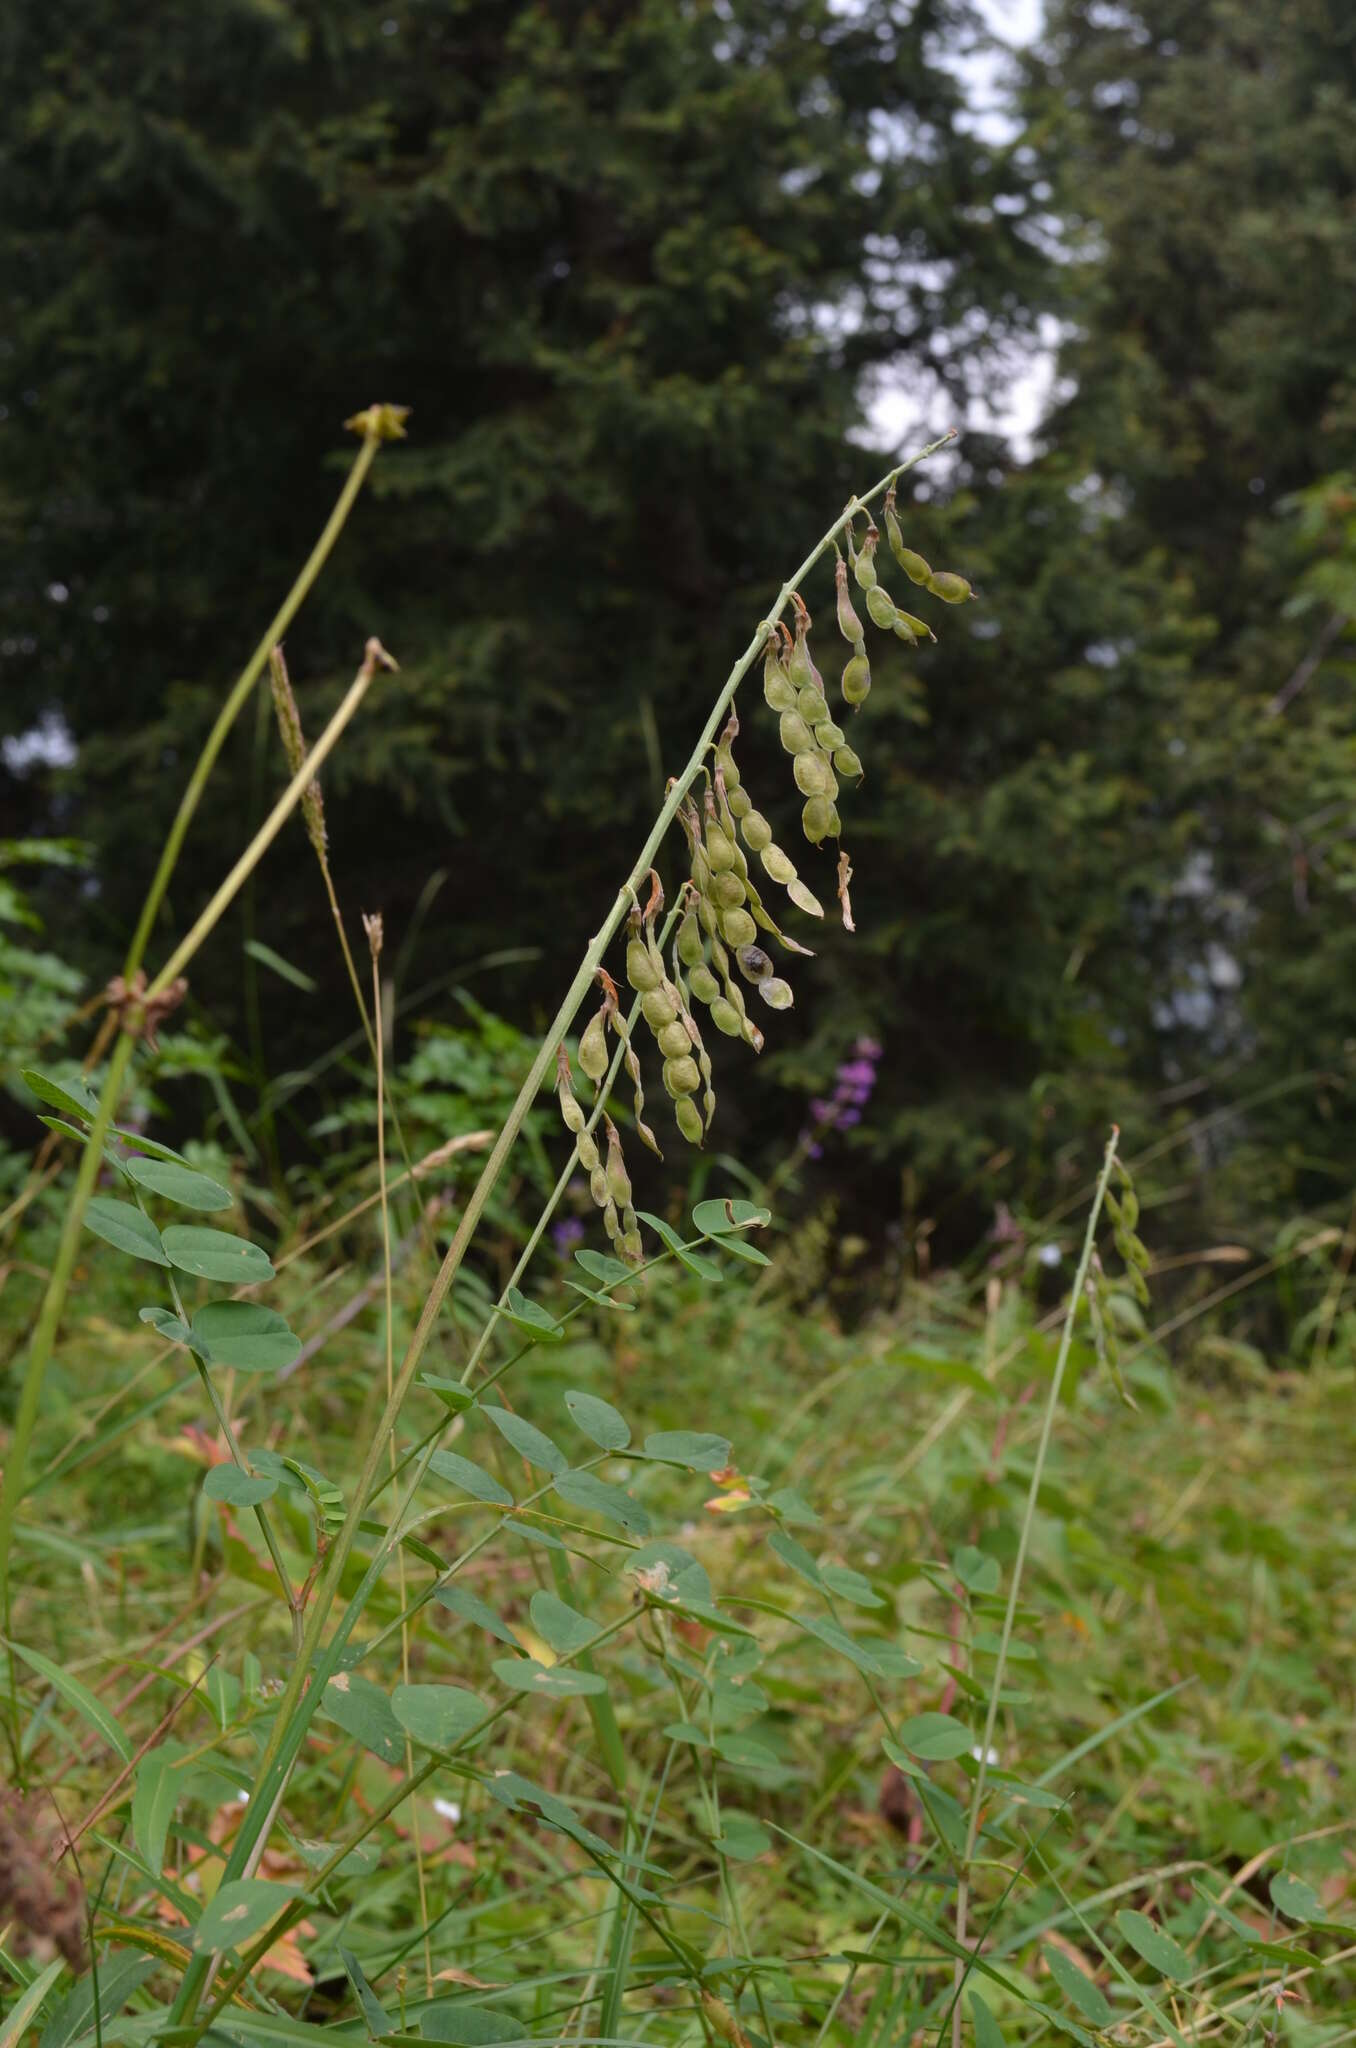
x: 754, y: 964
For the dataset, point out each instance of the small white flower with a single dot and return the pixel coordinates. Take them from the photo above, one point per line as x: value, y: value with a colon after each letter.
x: 448, y: 1809
x: 1049, y: 1255
x: 990, y: 1756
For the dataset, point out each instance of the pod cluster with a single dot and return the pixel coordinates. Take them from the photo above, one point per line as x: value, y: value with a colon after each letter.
x: 609, y: 1181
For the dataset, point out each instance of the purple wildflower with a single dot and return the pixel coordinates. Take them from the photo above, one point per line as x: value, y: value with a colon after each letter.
x: 566, y: 1234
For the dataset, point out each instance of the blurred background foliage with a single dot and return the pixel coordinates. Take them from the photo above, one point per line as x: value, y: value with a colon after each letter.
x: 638, y: 269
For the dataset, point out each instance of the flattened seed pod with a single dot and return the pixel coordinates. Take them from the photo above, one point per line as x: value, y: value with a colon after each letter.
x: 737, y: 928
x: 863, y: 558
x: 849, y: 625
x: 706, y: 912
x: 803, y: 898
x: 819, y: 820
x: 658, y: 1008
x: 810, y: 704
x: 756, y: 831
x: 640, y: 968
x: 776, y: 993
x: 913, y: 565
x: 881, y: 607
x: 920, y: 628
x: 688, y: 1118
x: 726, y: 1018
x: 618, y: 1179
x: 689, y: 941
x: 673, y: 1040
x: 740, y: 802
x: 846, y: 762
x: 727, y: 891
x: 856, y: 683
x: 593, y: 1047
x: 828, y: 735
x: 814, y: 777
x: 754, y: 964
x: 800, y: 665
x: 588, y: 1152
x: 720, y: 849
x: 778, y: 688
x: 571, y: 1113
x: 795, y: 735
x: 778, y: 866
x: 681, y: 1076
x: 703, y: 984
x: 951, y: 589
x: 598, y: 1186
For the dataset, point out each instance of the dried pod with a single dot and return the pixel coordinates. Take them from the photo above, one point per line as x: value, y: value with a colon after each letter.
x: 951, y: 589
x: 849, y: 625
x: 856, y: 683
x: 776, y: 993
x: 881, y: 607
x: 778, y: 688
x: 754, y: 964
x: 687, y: 1116
x: 820, y: 820
x: 795, y: 735
x: 803, y: 898
x: 681, y: 1076
x: 814, y: 776
x: 846, y: 762
x: 828, y: 736
x: 863, y: 558
x: 756, y: 831
x: 593, y: 1047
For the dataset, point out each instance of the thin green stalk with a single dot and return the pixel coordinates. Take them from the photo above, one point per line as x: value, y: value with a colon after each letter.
x: 294, y: 1705
x: 1023, y: 1541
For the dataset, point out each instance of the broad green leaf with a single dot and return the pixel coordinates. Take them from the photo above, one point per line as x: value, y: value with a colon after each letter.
x: 747, y: 1753
x: 697, y: 1449
x: 521, y: 1795
x: 607, y: 1301
x: 363, y: 1710
x: 153, y: 1802
x: 238, y: 1489
x: 451, y: 1393
x: 531, y: 1318
x: 122, y: 1225
x: 599, y: 1266
x: 1017, y: 1789
x: 1078, y: 1988
x: 61, y: 1123
x: 216, y: 1255
x: 266, y: 957
x: 460, y: 1600
x: 25, y: 2010
x: 599, y: 1420
x: 685, y: 1731
x: 529, y: 1442
x: 551, y: 1681
x: 1279, y: 1952
x: 1296, y: 1899
x: 467, y: 2026
x: 838, y: 1639
x: 72, y: 1098
x: 988, y: 2033
x: 121, y: 1973
x: 559, y: 1626
x: 1158, y: 1949
x: 239, y: 1911
x: 137, y: 1141
x: 901, y: 1759
x: 178, y: 1184
x: 472, y: 1479
x: 246, y: 1335
x: 585, y: 1490
x: 894, y: 1662
x: 91, y: 1710
x: 977, y: 1572
x: 935, y: 1737
x: 684, y: 1578
x: 792, y: 1506
x: 987, y: 1643
x: 742, y: 1837
x: 437, y: 1716
x: 720, y: 1217
x: 850, y: 1585
x: 796, y: 1556
x: 695, y: 1263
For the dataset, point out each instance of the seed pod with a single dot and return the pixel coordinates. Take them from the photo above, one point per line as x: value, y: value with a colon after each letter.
x: 737, y: 928
x: 819, y: 820
x: 881, y: 607
x: 814, y: 777
x: 776, y: 993
x: 863, y: 558
x: 620, y: 1026
x: 611, y: 1221
x: 640, y: 968
x: 856, y: 683
x: 741, y: 803
x: 913, y: 565
x: 689, y: 941
x: 598, y: 1186
x: 727, y: 891
x: 703, y: 984
x: 828, y: 736
x: 681, y: 1076
x: 572, y: 1114
x: 754, y: 964
x: 672, y: 1040
x: 849, y: 625
x: 726, y: 1018
x: 688, y: 1119
x: 846, y: 762
x: 658, y: 1008
x: 951, y: 589
x: 588, y: 1152
x: 706, y: 913
x: 720, y: 849
x: 725, y: 760
x: 618, y: 1179
x: 800, y: 665
x: 632, y: 1250
x: 756, y: 831
x: 593, y: 1047
x: 776, y: 864
x: 795, y: 735
x: 803, y: 898
x: 778, y: 688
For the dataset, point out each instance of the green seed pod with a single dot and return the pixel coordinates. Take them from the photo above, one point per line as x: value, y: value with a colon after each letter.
x: 640, y: 968
x: 593, y: 1048
x: 863, y: 559
x: 800, y: 665
x: 777, y: 994
x: 920, y: 628
x: 914, y: 567
x: 856, y: 683
x: 754, y: 964
x: 572, y: 1113
x: 681, y: 1076
x: 803, y: 898
x: 687, y: 1116
x: 726, y: 1017
x: 777, y: 865
x: 904, y: 630
x: 777, y: 686
x: 810, y: 704
x: 598, y: 1186
x: 588, y: 1152
x: 658, y: 1008
x: 846, y: 762
x: 701, y: 869
x: 720, y: 849
x: 727, y: 891
x: 740, y: 803
x: 725, y: 762
x: 881, y: 607
x: 673, y: 1040
x: 689, y: 941
x: 756, y: 831
x: 951, y: 589
x: 737, y: 928
x: 795, y: 734
x: 706, y: 911
x: 814, y: 777
x: 828, y: 735
x: 632, y: 1250
x: 849, y: 625
x: 611, y: 1221
x: 618, y: 1179
x: 819, y: 820
x: 704, y: 985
